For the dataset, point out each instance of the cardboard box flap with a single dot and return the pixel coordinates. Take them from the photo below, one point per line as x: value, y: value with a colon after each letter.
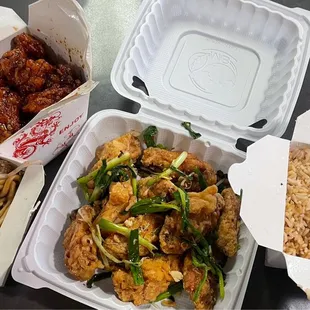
x: 298, y: 270
x: 62, y: 25
x: 10, y: 23
x: 263, y: 177
x: 15, y: 223
x: 302, y: 128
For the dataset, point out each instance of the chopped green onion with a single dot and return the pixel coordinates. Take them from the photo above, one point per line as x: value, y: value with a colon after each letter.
x: 101, y: 178
x: 152, y: 205
x: 175, y: 163
x: 108, y: 226
x: 188, y: 127
x: 98, y: 277
x: 201, y: 179
x: 133, y: 252
x: 149, y: 137
x: 201, y: 284
x: 181, y: 196
x: 221, y: 282
x: 172, y: 290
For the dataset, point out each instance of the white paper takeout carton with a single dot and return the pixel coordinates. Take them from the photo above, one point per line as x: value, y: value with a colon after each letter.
x: 263, y: 179
x: 19, y: 215
x: 62, y: 25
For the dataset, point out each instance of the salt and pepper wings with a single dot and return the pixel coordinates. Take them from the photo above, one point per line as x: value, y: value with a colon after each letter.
x: 209, y: 213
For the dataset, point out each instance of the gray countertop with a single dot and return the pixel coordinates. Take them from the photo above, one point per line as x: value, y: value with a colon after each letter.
x: 110, y: 19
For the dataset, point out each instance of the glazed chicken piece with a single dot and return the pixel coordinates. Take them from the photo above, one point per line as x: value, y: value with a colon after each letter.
x: 114, y: 148
x: 191, y: 279
x: 38, y: 101
x: 205, y: 208
x: 162, y: 188
x: 228, y: 228
x: 149, y: 226
x: 81, y: 257
x: 158, y: 273
x: 121, y: 198
x: 160, y: 159
x: 9, y: 113
x: 27, y: 75
x: 31, y: 46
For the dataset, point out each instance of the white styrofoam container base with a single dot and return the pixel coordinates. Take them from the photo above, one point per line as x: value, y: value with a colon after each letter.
x: 39, y: 262
x: 225, y: 64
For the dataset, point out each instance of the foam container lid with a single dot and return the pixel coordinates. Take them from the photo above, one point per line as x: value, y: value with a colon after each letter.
x: 220, y: 64
x: 263, y: 179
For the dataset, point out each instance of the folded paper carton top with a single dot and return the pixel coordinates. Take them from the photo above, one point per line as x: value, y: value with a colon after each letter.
x: 19, y: 214
x: 263, y: 180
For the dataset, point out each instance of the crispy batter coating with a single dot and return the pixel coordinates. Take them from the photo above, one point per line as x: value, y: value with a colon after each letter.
x: 191, y: 279
x: 30, y: 45
x: 121, y: 198
x: 114, y: 148
x: 27, y: 75
x: 36, y: 102
x: 162, y: 188
x: 9, y: 113
x: 204, y: 214
x: 228, y: 224
x: 149, y: 226
x: 81, y: 257
x: 161, y: 159
x: 157, y: 278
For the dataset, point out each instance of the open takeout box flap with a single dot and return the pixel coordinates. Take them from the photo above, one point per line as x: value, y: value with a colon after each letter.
x: 18, y: 216
x: 10, y: 25
x: 62, y: 25
x: 263, y: 179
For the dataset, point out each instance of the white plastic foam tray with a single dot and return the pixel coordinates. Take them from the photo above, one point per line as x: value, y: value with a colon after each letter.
x: 39, y: 262
x: 224, y: 64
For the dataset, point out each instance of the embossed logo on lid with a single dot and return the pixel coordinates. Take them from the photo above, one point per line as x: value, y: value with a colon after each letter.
x: 212, y: 71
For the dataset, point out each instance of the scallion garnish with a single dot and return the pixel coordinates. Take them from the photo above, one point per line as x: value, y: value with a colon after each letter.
x: 133, y: 253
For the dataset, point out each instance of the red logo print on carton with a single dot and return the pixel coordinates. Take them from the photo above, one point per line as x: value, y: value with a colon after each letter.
x: 68, y: 139
x: 40, y: 135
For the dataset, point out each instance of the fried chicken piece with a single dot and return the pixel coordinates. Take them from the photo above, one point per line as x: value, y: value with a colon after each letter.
x: 156, y: 158
x: 9, y: 113
x: 30, y: 45
x: 27, y: 75
x: 3, y: 81
x: 40, y: 100
x: 157, y: 278
x: 114, y: 148
x: 81, y: 257
x: 149, y: 226
x: 229, y: 224
x: 121, y: 198
x: 204, y: 213
x: 162, y: 188
x: 191, y: 279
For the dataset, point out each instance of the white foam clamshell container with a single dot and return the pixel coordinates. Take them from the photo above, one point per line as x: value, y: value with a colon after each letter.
x: 190, y: 54
x: 39, y: 262
x: 224, y: 64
